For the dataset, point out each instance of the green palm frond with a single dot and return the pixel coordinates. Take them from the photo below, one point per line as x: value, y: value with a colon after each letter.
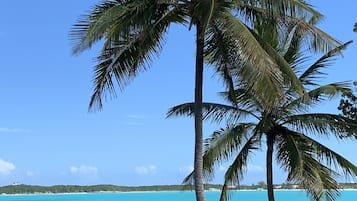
x: 91, y: 27
x: 246, y: 59
x: 290, y: 78
x: 324, y: 124
x: 217, y: 51
x: 313, y: 72
x: 293, y: 8
x: 299, y: 158
x: 318, y: 180
x: 313, y: 37
x: 236, y: 170
x: 243, y: 99
x: 330, y: 157
x: 216, y: 112
x: 317, y: 96
x: 132, y: 32
x: 224, y: 143
x: 221, y: 145
x: 111, y: 19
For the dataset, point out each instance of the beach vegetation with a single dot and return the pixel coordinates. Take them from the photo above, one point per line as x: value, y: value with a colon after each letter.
x: 348, y: 103
x: 288, y: 130
x: 132, y: 34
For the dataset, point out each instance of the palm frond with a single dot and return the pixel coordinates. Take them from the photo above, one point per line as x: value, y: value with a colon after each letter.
x: 224, y: 143
x: 317, y: 96
x: 324, y: 124
x: 243, y: 55
x: 299, y: 158
x: 324, y: 154
x: 290, y: 78
x: 243, y: 99
x: 293, y: 8
x: 214, y: 111
x: 314, y: 71
x: 92, y: 27
x: 236, y: 170
x: 313, y: 37
x: 221, y: 145
x: 135, y: 36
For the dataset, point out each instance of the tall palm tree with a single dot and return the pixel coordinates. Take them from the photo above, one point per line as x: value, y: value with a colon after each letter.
x: 288, y: 129
x: 132, y: 32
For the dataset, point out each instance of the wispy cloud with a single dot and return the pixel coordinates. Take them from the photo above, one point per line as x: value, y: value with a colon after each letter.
x: 30, y: 173
x: 145, y: 169
x: 84, y: 171
x: 136, y: 116
x: 255, y: 168
x: 135, y: 119
x: 13, y: 130
x: 6, y: 167
x: 186, y: 169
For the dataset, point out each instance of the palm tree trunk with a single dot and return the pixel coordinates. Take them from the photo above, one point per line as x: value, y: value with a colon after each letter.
x: 270, y: 143
x: 198, y: 162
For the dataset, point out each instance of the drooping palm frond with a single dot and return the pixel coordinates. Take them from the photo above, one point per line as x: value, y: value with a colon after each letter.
x: 221, y: 145
x: 299, y: 158
x: 224, y: 143
x: 330, y: 157
x: 293, y: 8
x: 244, y: 99
x: 313, y: 72
x: 323, y: 124
x: 236, y: 170
x: 214, y: 111
x: 317, y: 96
x: 246, y: 60
x: 110, y: 19
x: 313, y: 37
x: 133, y: 33
x: 318, y: 180
x: 290, y: 79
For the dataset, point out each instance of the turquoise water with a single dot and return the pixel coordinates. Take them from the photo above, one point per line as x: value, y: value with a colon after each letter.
x: 172, y: 196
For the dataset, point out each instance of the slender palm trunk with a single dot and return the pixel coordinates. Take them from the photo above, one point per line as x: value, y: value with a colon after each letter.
x: 270, y: 143
x: 198, y: 162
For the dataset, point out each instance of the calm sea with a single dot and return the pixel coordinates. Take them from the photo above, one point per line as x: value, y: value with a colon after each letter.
x: 172, y: 196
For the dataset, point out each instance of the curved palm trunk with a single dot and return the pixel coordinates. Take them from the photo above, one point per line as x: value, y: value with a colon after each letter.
x: 198, y: 162
x: 270, y: 143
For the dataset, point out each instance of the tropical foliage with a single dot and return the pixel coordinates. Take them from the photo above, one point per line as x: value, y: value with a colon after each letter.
x: 289, y: 130
x: 133, y: 32
x: 348, y: 104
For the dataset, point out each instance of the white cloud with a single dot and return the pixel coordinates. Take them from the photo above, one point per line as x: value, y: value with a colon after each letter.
x: 186, y: 169
x: 30, y: 173
x: 84, y: 170
x: 146, y: 169
x: 255, y: 168
x: 136, y: 116
x: 6, y: 167
x: 13, y: 130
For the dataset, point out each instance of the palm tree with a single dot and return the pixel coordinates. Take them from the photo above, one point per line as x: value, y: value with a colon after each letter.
x: 132, y: 33
x: 287, y: 128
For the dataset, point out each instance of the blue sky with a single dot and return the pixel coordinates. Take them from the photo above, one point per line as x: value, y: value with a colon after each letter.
x: 48, y: 137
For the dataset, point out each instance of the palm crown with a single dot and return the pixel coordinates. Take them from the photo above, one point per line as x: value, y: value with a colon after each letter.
x: 133, y: 32
x: 287, y: 127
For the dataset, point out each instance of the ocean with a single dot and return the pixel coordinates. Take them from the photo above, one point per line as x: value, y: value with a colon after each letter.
x: 280, y: 195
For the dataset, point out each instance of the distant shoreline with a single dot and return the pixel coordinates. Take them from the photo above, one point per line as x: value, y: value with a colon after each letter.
x: 22, y: 189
